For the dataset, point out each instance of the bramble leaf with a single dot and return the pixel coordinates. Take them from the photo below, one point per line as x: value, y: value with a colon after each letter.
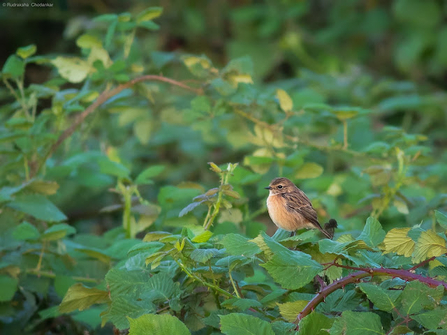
x: 244, y: 324
x: 398, y: 241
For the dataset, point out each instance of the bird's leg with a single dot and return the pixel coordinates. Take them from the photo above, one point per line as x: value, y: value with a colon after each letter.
x: 292, y: 233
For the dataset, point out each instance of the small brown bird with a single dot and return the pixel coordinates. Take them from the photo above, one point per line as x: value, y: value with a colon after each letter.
x: 290, y: 208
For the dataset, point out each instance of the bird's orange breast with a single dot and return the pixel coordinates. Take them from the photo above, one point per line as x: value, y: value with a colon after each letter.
x: 283, y: 218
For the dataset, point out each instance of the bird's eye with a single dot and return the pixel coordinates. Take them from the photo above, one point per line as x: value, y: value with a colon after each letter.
x: 279, y: 186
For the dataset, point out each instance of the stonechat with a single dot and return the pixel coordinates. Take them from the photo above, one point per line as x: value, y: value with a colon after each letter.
x: 290, y: 208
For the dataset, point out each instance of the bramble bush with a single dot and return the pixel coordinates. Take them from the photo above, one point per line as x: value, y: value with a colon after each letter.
x: 133, y: 138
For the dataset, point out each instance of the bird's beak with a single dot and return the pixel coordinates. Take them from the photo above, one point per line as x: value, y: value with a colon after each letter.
x: 268, y: 188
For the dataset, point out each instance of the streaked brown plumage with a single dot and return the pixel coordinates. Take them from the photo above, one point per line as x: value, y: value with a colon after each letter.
x: 290, y: 208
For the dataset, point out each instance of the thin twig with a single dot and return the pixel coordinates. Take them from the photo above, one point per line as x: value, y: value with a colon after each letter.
x: 103, y: 97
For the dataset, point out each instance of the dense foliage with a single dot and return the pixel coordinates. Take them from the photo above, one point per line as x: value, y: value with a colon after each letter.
x: 132, y: 186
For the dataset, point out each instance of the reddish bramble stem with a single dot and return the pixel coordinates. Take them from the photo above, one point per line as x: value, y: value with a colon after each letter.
x: 356, y: 277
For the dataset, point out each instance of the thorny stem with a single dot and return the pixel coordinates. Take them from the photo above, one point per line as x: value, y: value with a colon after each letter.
x: 356, y: 277
x: 103, y: 97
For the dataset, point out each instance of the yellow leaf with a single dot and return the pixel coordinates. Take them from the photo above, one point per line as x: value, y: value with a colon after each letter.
x: 285, y: 102
x: 309, y: 170
x: 190, y: 61
x: 401, y: 206
x: 73, y: 69
x: 397, y: 240
x: 428, y: 245
x: 235, y: 79
x: 290, y: 310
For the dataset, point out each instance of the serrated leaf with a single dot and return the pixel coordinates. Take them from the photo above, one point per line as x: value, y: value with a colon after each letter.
x: 37, y: 206
x: 244, y: 324
x: 381, y: 298
x: 163, y: 324
x: 316, y: 324
x: 290, y: 310
x: 237, y: 245
x: 309, y: 170
x: 428, y: 245
x: 292, y: 269
x: 357, y: 323
x: 432, y: 319
x: 80, y: 297
x: 25, y: 231
x: 203, y: 255
x: 398, y: 241
x: 285, y: 102
x: 372, y: 233
x: 417, y: 296
x: 151, y: 172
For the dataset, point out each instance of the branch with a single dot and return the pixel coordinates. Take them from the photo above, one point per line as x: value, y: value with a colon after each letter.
x: 103, y: 97
x: 356, y: 277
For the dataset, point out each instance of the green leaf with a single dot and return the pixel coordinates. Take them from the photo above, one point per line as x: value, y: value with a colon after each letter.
x: 62, y: 284
x: 417, y: 296
x: 398, y: 241
x: 143, y: 129
x: 309, y: 170
x: 81, y: 297
x: 382, y: 299
x: 25, y: 231
x: 112, y: 168
x: 8, y: 287
x: 237, y: 245
x: 242, y: 304
x: 203, y: 255
x: 87, y: 41
x: 202, y: 237
x: 149, y: 25
x: 432, y: 319
x: 74, y: 69
x: 292, y: 269
x: 163, y: 324
x: 243, y: 324
x: 151, y: 172
x: 27, y: 51
x: 442, y: 219
x: 149, y: 14
x: 14, y: 66
x: 57, y: 232
x: 106, y: 18
x: 357, y: 323
x: 316, y: 324
x: 429, y: 244
x: 37, y: 206
x: 97, y: 254
x: 372, y: 233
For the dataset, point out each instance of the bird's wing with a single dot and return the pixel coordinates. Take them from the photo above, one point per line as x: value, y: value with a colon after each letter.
x: 299, y: 203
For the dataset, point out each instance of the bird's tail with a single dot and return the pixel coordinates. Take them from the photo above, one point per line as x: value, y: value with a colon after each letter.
x: 329, y: 228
